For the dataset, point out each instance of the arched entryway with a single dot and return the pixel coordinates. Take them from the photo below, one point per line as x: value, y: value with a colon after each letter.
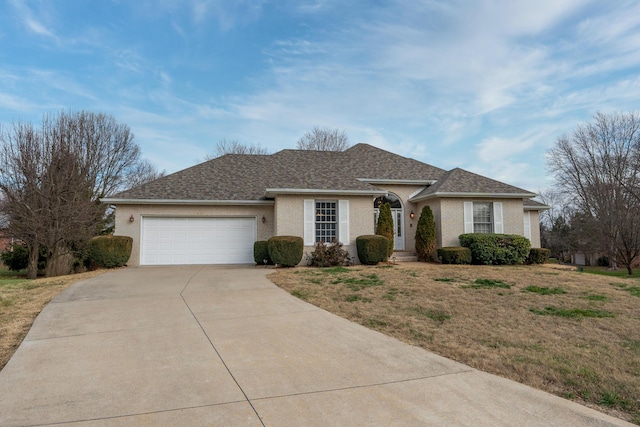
x: 397, y: 212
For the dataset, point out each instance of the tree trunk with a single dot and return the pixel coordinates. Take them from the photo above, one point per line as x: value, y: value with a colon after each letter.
x: 59, y: 261
x: 629, y: 270
x: 32, y: 264
x: 613, y: 265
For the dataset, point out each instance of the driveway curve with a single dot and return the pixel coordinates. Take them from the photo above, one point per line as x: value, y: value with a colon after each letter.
x: 222, y: 345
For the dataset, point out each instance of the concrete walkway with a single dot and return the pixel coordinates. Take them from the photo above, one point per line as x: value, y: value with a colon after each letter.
x: 223, y: 346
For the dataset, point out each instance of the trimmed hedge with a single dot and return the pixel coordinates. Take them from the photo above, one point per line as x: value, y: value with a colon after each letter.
x: 454, y: 255
x: 372, y: 248
x: 426, y: 237
x: 384, y: 227
x: 261, y: 252
x: 286, y: 250
x: 496, y: 249
x: 538, y: 256
x: 109, y: 251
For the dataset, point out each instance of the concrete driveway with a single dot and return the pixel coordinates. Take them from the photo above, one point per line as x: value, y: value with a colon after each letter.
x: 223, y: 346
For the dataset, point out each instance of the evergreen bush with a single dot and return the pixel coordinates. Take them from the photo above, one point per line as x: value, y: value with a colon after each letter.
x: 538, y: 256
x: 261, y: 252
x: 285, y: 251
x: 372, y: 249
x: 426, y: 235
x: 109, y: 251
x: 454, y: 255
x: 385, y: 226
x: 496, y: 249
x: 16, y: 257
x: 328, y: 255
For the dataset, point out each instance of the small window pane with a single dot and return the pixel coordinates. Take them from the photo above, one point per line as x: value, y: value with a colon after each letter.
x: 482, y: 221
x: 326, y: 221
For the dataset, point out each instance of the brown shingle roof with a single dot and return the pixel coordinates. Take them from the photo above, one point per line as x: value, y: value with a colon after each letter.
x: 534, y: 204
x: 246, y: 177
x: 461, y: 182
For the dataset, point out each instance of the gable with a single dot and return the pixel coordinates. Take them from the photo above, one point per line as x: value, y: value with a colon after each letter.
x: 461, y: 183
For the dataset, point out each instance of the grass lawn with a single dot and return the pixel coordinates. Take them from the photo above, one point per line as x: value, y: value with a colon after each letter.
x: 573, y: 334
x: 620, y: 272
x: 21, y: 300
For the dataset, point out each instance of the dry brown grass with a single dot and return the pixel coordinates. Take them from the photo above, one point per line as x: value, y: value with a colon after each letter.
x: 595, y: 361
x: 21, y: 301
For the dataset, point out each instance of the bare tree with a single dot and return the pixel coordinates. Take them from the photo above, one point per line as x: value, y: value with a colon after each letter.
x: 597, y: 166
x: 555, y: 226
x: 140, y: 173
x: 20, y: 168
x: 234, y: 147
x: 51, y: 179
x: 324, y: 139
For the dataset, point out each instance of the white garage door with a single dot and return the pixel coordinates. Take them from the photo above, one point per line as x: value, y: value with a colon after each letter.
x: 171, y: 241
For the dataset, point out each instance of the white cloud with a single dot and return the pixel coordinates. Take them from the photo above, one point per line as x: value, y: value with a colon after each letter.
x: 495, y: 148
x: 30, y: 21
x: 15, y: 103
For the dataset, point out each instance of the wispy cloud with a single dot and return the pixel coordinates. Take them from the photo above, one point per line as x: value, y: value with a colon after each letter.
x: 33, y: 23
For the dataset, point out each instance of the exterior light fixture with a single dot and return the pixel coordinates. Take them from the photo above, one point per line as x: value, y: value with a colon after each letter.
x: 264, y: 219
x: 131, y: 218
x: 412, y: 215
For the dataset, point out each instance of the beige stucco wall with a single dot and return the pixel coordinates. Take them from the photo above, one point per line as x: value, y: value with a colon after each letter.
x: 535, y: 229
x: 289, y: 217
x: 513, y: 216
x: 451, y: 217
x: 125, y: 228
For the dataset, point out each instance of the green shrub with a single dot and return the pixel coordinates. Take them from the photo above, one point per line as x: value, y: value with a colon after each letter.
x: 16, y: 257
x: 261, y: 252
x: 109, y: 251
x: 385, y: 226
x: 454, y: 255
x: 496, y: 249
x: 372, y: 249
x: 285, y: 250
x: 538, y: 256
x: 426, y: 235
x: 328, y: 255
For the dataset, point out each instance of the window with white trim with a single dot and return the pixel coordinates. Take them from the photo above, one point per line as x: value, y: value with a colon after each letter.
x: 326, y: 221
x: 482, y: 218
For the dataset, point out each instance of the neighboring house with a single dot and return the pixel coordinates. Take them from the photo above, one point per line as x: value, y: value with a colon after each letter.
x: 213, y: 212
x: 6, y: 240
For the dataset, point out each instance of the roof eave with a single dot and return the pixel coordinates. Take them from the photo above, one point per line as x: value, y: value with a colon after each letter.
x: 474, y: 195
x: 115, y: 201
x: 537, y: 208
x: 271, y: 192
x: 398, y: 181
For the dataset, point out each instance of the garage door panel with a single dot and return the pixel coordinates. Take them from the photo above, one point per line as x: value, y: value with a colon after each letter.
x: 170, y: 241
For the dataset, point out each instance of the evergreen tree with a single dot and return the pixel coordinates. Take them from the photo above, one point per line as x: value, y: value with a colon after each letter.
x: 385, y: 225
x: 426, y: 235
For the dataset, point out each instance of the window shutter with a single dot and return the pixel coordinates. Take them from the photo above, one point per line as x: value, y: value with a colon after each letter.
x: 343, y: 217
x: 309, y: 222
x: 527, y: 225
x: 468, y: 217
x: 498, y: 226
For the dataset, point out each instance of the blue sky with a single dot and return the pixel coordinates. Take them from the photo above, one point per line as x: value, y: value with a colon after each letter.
x: 485, y: 85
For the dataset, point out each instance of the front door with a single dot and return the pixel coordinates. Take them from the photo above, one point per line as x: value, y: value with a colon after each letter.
x: 397, y: 213
x: 398, y: 228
